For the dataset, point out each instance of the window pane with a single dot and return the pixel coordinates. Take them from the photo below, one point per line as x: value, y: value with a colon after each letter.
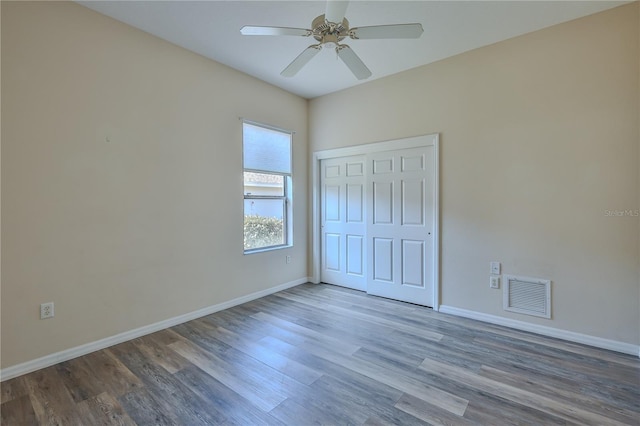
x: 266, y: 149
x: 265, y: 207
x: 265, y: 227
x: 262, y: 184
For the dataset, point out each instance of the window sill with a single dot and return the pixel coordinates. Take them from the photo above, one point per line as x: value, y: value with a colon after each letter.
x: 266, y: 249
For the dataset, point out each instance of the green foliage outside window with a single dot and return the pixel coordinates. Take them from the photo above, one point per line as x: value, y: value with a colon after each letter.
x: 261, y: 231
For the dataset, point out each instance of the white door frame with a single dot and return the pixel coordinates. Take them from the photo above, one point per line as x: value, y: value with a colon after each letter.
x: 413, y: 142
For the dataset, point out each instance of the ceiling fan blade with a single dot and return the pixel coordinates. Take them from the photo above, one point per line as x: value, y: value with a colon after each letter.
x: 387, y: 31
x: 274, y: 31
x: 335, y: 10
x: 351, y: 60
x: 302, y: 59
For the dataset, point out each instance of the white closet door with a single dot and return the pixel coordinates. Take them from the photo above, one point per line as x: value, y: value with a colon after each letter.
x: 401, y: 224
x: 343, y: 214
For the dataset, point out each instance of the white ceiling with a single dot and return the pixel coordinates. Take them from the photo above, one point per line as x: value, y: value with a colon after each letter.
x: 212, y: 29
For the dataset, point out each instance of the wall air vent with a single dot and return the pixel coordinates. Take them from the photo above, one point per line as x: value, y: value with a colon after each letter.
x: 524, y: 295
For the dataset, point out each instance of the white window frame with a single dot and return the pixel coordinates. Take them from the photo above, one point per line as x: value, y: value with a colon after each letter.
x: 287, y: 197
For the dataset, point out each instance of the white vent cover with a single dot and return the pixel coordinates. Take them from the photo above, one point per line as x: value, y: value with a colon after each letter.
x: 531, y: 296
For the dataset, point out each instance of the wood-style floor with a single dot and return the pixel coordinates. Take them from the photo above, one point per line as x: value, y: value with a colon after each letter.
x: 319, y: 354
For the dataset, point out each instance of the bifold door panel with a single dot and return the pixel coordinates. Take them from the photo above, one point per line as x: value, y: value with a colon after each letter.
x: 342, y: 196
x: 400, y: 227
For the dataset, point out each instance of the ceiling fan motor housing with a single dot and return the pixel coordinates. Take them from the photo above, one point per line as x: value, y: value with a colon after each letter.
x: 329, y: 32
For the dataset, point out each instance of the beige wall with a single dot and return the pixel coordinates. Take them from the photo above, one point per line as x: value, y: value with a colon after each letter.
x: 539, y: 136
x: 147, y: 225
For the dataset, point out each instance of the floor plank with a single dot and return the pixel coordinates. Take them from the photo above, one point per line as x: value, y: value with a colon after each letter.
x: 144, y: 409
x: 18, y: 411
x: 516, y: 394
x: 103, y: 409
x: 12, y: 389
x: 50, y: 399
x: 226, y: 403
x: 321, y: 354
x: 172, y: 396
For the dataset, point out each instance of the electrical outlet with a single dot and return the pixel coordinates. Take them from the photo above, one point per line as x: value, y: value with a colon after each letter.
x: 288, y: 259
x: 46, y: 310
x: 495, y: 268
x: 494, y: 282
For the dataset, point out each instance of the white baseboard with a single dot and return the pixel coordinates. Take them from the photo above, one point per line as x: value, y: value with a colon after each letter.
x: 598, y: 342
x: 67, y: 354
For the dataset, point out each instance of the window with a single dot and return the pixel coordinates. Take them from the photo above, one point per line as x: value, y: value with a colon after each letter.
x: 267, y: 187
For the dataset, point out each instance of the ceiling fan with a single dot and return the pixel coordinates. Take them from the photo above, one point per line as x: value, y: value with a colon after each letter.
x: 330, y: 29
